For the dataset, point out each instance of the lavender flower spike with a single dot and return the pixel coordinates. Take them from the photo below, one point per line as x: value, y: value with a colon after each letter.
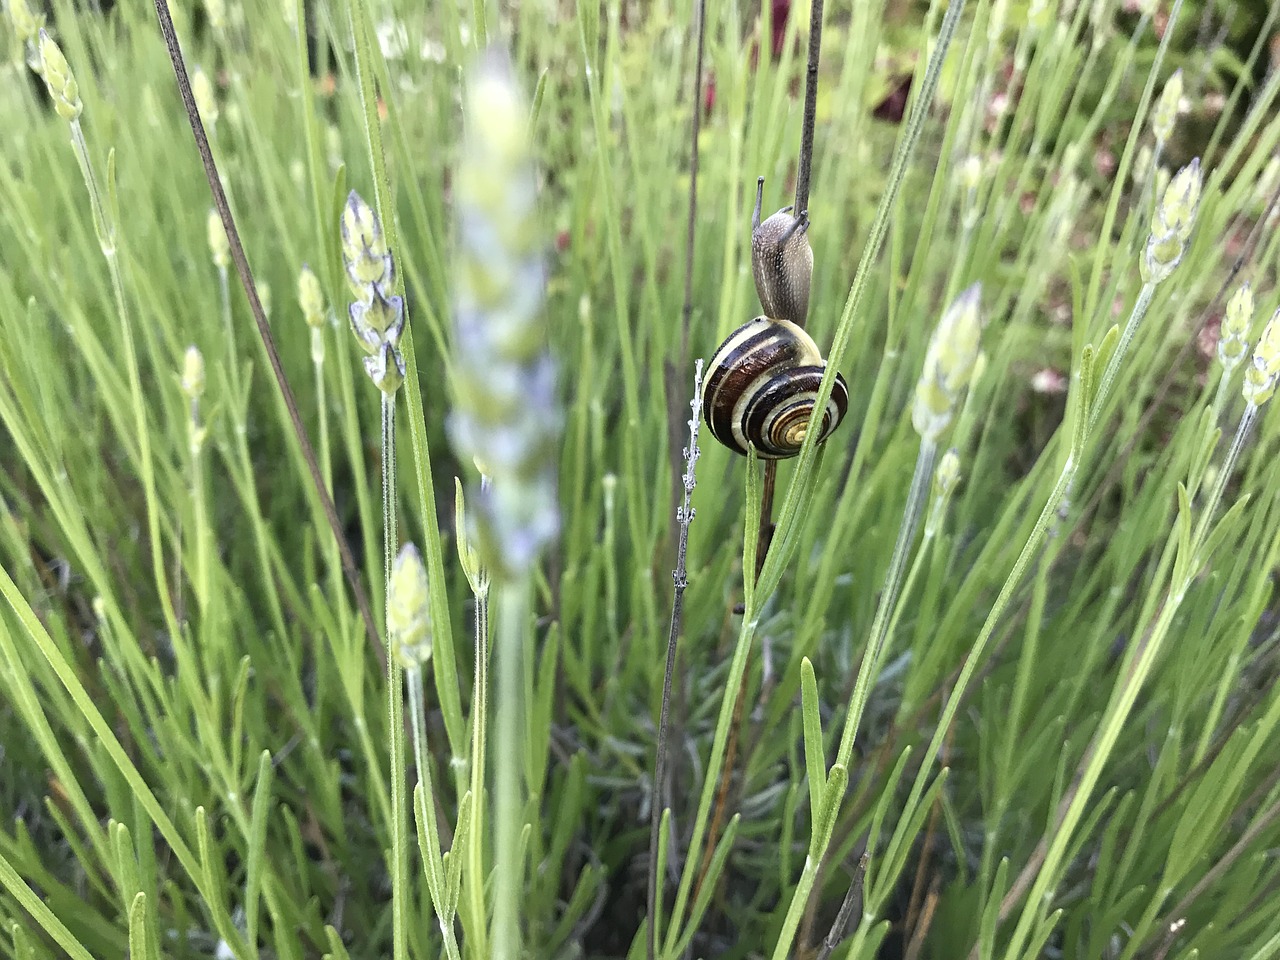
x: 377, y: 314
x: 506, y: 413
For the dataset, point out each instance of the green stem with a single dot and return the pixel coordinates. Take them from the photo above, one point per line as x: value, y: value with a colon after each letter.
x: 1113, y: 365
x: 107, y: 241
x: 514, y: 606
x: 888, y: 598
x: 477, y: 933
x: 434, y: 863
x: 200, y: 510
x: 401, y: 896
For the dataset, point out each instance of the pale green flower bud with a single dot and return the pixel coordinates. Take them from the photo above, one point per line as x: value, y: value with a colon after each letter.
x: 264, y: 298
x: 945, y: 480
x: 948, y: 366
x: 1233, y: 337
x: 206, y: 100
x: 25, y: 24
x: 948, y: 474
x: 1142, y: 163
x: 1177, y: 211
x: 970, y: 173
x: 409, y: 609
x: 58, y: 79
x: 310, y: 297
x: 219, y: 247
x: 1260, y: 375
x: 193, y: 374
x: 1165, y: 113
x: 1173, y: 221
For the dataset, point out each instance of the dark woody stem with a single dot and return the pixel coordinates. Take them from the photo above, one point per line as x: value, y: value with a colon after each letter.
x: 810, y: 109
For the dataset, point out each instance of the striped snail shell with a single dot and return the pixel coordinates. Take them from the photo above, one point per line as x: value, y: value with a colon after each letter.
x: 781, y: 261
x: 761, y: 386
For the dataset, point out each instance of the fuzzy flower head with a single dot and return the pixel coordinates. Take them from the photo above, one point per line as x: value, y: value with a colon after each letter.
x: 58, y: 78
x: 1261, y: 374
x: 409, y: 609
x: 506, y: 413
x: 1173, y: 221
x: 949, y: 364
x: 1233, y: 338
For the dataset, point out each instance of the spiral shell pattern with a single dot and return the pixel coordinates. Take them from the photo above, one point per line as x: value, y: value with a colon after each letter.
x: 762, y: 386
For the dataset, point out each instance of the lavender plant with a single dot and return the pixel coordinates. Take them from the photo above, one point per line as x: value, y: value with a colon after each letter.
x: 1027, y: 713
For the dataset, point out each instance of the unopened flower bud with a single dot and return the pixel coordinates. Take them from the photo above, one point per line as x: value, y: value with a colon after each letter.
x: 1233, y: 337
x: 25, y: 24
x: 58, y: 78
x: 310, y: 297
x: 409, y: 609
x: 206, y: 101
x: 193, y: 374
x: 216, y: 10
x: 219, y: 247
x: 971, y: 172
x: 1177, y: 210
x: 948, y: 474
x: 948, y: 365
x: 1173, y: 221
x: 1165, y: 113
x: 364, y: 249
x: 1260, y: 375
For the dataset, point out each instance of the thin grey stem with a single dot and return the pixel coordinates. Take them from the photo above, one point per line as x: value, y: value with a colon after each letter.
x: 684, y: 516
x: 852, y: 902
x: 389, y: 529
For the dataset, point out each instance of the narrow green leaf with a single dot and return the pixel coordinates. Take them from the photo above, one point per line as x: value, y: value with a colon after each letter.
x: 709, y: 883
x: 814, y: 755
x: 257, y: 852
x: 141, y: 946
x: 456, y: 857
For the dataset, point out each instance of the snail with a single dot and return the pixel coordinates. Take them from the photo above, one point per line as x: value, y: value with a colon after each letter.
x: 781, y: 261
x: 763, y: 379
x: 761, y: 387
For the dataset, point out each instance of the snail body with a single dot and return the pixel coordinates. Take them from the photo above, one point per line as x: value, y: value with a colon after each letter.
x: 761, y: 387
x: 781, y: 261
